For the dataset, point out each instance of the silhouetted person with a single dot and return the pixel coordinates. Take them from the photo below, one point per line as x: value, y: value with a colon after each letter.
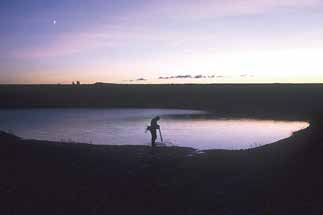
x: 153, y: 129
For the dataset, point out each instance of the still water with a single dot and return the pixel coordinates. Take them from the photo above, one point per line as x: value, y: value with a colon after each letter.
x: 187, y: 128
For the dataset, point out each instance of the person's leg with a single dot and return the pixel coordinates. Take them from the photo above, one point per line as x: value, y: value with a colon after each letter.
x: 153, y: 137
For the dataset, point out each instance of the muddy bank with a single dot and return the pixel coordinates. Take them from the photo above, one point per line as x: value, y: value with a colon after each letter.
x: 39, y: 177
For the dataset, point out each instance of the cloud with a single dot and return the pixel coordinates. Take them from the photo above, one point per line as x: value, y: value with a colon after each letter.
x: 161, y: 77
x: 199, y: 76
x: 183, y: 76
x: 202, y: 76
x: 175, y: 77
x: 188, y: 77
x: 138, y: 79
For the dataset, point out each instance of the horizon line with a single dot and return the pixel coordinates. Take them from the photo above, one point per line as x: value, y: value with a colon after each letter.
x: 111, y: 83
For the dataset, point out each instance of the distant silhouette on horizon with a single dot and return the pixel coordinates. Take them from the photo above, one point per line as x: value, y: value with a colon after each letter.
x: 153, y: 130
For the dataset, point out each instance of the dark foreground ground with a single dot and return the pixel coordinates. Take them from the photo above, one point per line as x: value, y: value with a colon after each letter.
x: 38, y: 177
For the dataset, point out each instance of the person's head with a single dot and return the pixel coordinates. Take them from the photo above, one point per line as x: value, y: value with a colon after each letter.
x: 157, y: 118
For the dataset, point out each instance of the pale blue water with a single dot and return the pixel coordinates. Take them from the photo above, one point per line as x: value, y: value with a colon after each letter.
x: 126, y: 127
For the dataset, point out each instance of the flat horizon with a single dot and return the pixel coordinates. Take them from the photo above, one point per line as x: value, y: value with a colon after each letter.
x: 107, y: 83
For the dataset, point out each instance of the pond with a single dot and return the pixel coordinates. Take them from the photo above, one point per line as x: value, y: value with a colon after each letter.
x: 187, y: 128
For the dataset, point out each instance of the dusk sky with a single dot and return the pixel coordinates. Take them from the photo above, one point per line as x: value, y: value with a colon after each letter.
x: 169, y: 41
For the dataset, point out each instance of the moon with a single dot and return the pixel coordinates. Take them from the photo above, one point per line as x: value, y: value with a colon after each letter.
x: 54, y: 22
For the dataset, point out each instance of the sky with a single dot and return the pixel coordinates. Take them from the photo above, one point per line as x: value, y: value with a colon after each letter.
x: 153, y: 41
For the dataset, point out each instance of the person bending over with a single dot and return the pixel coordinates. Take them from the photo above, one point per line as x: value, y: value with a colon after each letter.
x: 153, y: 130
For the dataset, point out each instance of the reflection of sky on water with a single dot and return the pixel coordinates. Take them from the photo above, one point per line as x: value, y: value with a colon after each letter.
x: 126, y: 126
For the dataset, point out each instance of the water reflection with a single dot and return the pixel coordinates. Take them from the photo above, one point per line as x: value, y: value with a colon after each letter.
x: 126, y: 126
